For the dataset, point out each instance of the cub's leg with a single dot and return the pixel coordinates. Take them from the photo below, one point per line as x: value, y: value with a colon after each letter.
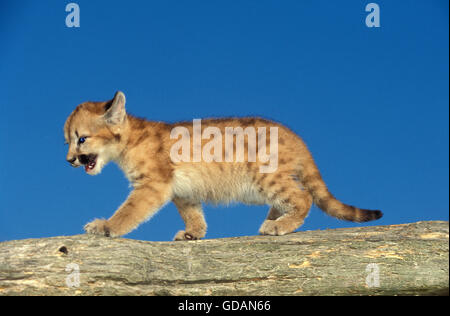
x: 192, y: 215
x: 290, y: 205
x: 274, y: 213
x: 144, y: 201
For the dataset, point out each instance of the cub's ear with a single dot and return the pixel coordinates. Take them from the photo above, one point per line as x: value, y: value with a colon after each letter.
x: 115, y: 109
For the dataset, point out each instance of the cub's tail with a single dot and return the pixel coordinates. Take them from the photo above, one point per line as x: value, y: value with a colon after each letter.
x: 312, y: 181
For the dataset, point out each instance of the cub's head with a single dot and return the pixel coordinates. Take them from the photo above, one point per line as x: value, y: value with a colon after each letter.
x: 93, y: 133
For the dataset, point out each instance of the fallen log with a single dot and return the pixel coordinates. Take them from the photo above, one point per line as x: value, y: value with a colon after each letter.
x: 407, y: 259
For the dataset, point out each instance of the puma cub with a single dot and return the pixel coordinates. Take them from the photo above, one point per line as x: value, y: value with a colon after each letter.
x: 188, y: 164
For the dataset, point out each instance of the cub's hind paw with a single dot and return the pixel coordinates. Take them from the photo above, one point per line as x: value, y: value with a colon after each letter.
x: 98, y: 227
x: 278, y: 227
x: 182, y: 235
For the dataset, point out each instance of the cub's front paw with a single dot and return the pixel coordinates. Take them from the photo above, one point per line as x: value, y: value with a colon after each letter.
x: 182, y: 235
x: 98, y: 227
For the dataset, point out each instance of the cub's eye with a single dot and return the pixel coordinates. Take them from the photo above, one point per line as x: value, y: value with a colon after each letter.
x: 81, y: 140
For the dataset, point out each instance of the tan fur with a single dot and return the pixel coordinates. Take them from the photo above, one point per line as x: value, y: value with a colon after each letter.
x: 142, y: 149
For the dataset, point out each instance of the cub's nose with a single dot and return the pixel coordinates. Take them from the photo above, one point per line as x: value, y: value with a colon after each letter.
x: 71, y: 160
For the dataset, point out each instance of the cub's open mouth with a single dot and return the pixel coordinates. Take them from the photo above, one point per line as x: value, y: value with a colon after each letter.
x: 89, y: 161
x: 90, y: 166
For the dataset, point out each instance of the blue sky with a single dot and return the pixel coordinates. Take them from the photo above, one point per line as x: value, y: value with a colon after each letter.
x: 371, y: 103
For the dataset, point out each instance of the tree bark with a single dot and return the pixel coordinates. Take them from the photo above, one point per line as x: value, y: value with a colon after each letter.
x: 407, y: 259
